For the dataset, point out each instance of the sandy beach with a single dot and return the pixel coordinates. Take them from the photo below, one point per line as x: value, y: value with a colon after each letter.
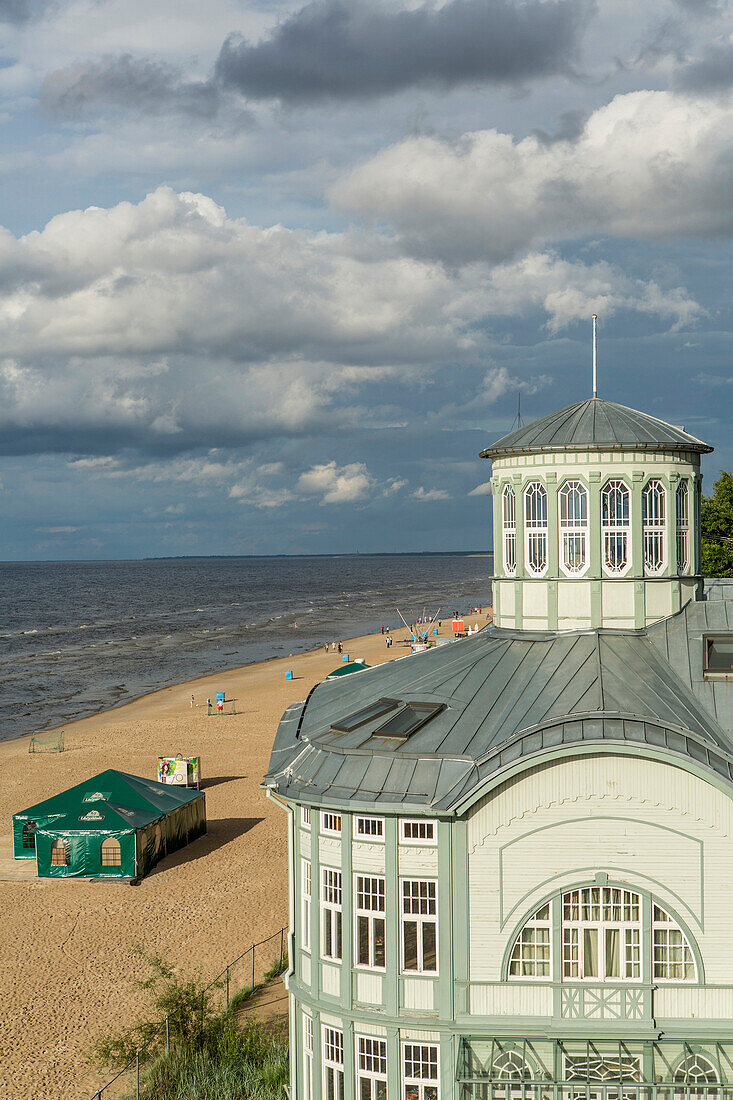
x: 69, y: 966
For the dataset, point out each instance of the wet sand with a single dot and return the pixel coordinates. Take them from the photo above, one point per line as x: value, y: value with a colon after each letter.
x: 69, y: 967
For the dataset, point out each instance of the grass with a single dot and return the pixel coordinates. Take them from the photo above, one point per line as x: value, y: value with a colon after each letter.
x: 213, y: 1056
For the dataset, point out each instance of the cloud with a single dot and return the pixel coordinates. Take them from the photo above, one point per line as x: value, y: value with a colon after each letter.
x: 423, y: 494
x: 483, y: 490
x: 711, y: 73
x: 124, y: 82
x: 22, y: 11
x: 649, y: 164
x: 357, y: 49
x: 336, y: 484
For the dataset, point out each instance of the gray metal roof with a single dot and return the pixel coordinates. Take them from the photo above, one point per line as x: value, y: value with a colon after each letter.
x: 596, y: 425
x: 507, y: 695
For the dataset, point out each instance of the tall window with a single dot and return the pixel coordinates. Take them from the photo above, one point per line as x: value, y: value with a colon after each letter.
x: 530, y: 956
x: 615, y: 526
x: 305, y: 934
x: 603, y: 935
x: 29, y: 835
x: 369, y: 918
x: 509, y: 528
x: 333, y: 1064
x: 308, y: 1057
x: 573, y: 501
x: 419, y: 926
x: 371, y: 1068
x: 694, y: 1077
x: 60, y: 853
x: 331, y: 915
x: 683, y: 527
x: 654, y: 526
x: 110, y: 852
x: 535, y: 528
x: 420, y: 1072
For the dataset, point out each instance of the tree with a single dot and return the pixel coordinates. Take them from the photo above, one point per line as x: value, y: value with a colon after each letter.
x: 716, y: 525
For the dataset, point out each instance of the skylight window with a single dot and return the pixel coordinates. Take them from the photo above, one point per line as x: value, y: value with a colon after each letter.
x: 366, y: 714
x: 718, y: 654
x: 408, y: 720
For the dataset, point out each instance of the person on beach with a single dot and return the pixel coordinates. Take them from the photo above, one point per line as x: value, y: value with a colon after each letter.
x: 333, y: 646
x: 382, y: 630
x: 220, y: 706
x: 340, y: 648
x: 192, y: 702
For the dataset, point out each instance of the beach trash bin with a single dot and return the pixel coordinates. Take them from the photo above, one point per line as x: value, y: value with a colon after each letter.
x: 435, y: 631
x: 345, y: 658
x: 289, y: 674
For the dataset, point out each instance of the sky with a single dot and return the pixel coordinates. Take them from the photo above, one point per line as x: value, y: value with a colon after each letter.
x: 272, y: 274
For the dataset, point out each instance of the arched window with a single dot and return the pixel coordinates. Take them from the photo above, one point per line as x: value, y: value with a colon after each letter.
x: 615, y: 527
x: 602, y: 933
x: 683, y: 527
x: 509, y: 529
x: 29, y: 835
x: 535, y: 528
x: 653, y: 523
x: 573, y: 501
x: 509, y: 1070
x: 60, y: 853
x: 111, y: 852
x: 694, y: 1077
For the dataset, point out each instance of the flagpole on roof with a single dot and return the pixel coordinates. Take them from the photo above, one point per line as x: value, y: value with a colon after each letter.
x: 595, y: 355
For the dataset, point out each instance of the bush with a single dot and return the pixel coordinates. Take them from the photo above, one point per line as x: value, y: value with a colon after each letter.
x: 212, y: 1055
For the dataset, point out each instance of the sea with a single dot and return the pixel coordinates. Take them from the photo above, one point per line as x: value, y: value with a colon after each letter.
x: 80, y: 637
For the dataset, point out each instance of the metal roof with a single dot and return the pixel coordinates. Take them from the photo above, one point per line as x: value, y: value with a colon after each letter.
x: 507, y: 695
x: 596, y: 425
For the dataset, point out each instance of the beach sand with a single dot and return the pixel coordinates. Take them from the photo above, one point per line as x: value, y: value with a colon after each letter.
x: 69, y: 968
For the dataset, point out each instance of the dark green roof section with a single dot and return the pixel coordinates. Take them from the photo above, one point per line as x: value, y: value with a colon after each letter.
x: 347, y: 668
x: 505, y: 695
x: 131, y: 799
x: 596, y: 425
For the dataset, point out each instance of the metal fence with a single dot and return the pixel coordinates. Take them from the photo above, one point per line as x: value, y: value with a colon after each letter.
x: 246, y: 971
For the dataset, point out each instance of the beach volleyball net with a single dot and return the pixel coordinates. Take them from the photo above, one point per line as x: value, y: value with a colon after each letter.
x: 47, y: 742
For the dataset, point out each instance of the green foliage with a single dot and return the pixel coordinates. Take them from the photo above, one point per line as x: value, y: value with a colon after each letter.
x: 213, y: 1056
x: 716, y: 523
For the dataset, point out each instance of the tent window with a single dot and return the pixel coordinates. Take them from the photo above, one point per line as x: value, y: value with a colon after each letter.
x: 60, y: 853
x: 111, y: 852
x: 719, y: 655
x: 29, y: 835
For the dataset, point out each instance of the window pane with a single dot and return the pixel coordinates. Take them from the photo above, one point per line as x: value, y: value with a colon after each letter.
x: 410, y: 941
x: 590, y: 953
x: 338, y: 935
x: 408, y: 720
x: 363, y: 941
x: 430, y: 957
x: 719, y: 654
x: 613, y: 959
x: 365, y: 1088
x: 378, y: 942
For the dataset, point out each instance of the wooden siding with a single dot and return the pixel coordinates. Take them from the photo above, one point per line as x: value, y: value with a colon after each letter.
x: 369, y: 988
x: 331, y: 979
x: 507, y: 999
x: 645, y: 823
x: 418, y: 995
x: 691, y: 1003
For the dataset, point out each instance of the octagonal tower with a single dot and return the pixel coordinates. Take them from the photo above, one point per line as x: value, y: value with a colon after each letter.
x: 596, y: 520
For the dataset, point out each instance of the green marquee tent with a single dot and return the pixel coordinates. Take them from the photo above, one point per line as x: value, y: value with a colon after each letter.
x: 347, y: 668
x: 113, y: 825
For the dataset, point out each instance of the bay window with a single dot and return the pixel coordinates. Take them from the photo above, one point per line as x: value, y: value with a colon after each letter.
x: 331, y: 914
x: 654, y: 526
x: 535, y: 528
x: 419, y: 926
x: 615, y: 527
x: 369, y: 922
x: 682, y: 500
x: 573, y: 513
x: 509, y: 529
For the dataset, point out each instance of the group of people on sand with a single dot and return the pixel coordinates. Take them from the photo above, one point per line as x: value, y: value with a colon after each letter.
x: 334, y: 646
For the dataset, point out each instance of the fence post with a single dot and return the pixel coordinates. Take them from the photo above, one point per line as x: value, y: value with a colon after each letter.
x: 167, y: 1035
x: 227, y: 973
x: 253, y: 966
x: 282, y: 940
x: 137, y: 1074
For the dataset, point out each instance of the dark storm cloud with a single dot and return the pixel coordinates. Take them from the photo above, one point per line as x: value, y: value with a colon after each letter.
x: 570, y: 126
x: 713, y: 72
x: 21, y: 11
x: 704, y: 8
x: 125, y: 83
x: 359, y: 49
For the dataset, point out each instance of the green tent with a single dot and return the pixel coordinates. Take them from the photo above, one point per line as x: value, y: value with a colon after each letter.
x: 346, y: 668
x: 113, y: 825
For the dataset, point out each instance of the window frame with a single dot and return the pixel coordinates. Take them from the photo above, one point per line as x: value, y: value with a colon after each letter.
x: 308, y: 1052
x: 333, y: 1069
x: 573, y: 527
x: 370, y: 1074
x: 370, y: 918
x: 714, y: 673
x: 306, y: 899
x: 654, y: 526
x: 419, y: 842
x: 630, y: 934
x: 420, y: 920
x: 536, y: 527
x: 416, y: 1087
x: 328, y: 829
x: 105, y: 862
x: 60, y: 843
x: 534, y: 923
x: 509, y: 529
x: 306, y: 816
x: 335, y: 908
x: 615, y: 528
x: 682, y: 526
x: 28, y: 836
x: 369, y: 838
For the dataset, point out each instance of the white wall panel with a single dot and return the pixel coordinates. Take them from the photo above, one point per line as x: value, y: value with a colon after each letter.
x: 369, y: 988
x: 418, y: 994
x: 506, y: 999
x: 331, y: 979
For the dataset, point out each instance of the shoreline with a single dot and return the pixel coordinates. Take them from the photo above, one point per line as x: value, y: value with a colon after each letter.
x: 72, y: 972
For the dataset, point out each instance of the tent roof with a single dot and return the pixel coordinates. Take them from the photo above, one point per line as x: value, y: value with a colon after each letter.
x: 345, y: 669
x: 594, y: 425
x: 126, y: 801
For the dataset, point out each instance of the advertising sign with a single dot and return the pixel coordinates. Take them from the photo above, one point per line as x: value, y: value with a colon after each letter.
x: 183, y: 771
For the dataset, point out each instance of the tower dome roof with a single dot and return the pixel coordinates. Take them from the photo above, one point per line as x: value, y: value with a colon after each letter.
x: 596, y: 425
